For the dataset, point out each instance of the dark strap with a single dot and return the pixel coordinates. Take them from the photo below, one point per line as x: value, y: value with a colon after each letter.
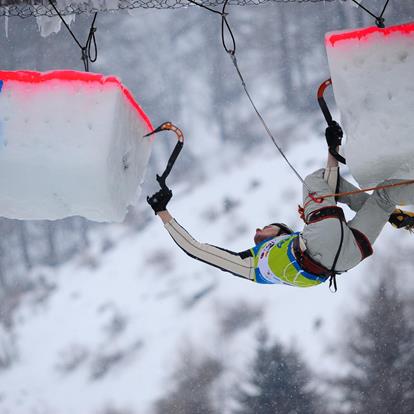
x: 173, y: 157
x: 306, y: 262
x: 324, y: 213
x: 327, y: 114
x: 332, y: 282
x: 363, y: 243
x: 332, y: 278
x: 337, y: 155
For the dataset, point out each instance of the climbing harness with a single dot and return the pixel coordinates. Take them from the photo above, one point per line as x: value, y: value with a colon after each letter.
x: 322, y: 214
x: 306, y: 262
x: 168, y: 126
x: 328, y: 117
x: 86, y: 56
x: 337, y: 212
x: 363, y: 243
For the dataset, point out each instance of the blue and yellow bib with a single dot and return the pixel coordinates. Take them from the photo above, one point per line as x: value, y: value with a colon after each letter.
x: 275, y: 262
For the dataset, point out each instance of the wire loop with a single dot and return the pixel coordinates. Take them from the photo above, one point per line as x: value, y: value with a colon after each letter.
x: 225, y: 24
x: 231, y: 51
x: 86, y: 55
x: 379, y: 20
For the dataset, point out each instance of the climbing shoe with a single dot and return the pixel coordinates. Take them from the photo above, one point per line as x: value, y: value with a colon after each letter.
x: 402, y: 219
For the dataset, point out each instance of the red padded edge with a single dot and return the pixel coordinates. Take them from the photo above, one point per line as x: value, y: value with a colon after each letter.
x: 365, y: 34
x: 72, y: 75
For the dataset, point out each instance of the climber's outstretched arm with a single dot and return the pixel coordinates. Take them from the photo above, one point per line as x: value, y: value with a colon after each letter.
x: 239, y: 264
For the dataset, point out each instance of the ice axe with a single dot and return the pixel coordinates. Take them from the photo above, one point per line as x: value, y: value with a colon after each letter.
x: 328, y: 117
x: 168, y: 126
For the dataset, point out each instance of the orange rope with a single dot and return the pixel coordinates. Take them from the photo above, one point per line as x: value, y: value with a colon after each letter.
x: 319, y: 199
x: 301, y: 210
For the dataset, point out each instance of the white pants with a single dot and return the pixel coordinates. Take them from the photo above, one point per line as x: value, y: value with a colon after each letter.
x: 323, y: 238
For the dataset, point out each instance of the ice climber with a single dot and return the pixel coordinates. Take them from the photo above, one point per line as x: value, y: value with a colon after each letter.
x: 328, y: 244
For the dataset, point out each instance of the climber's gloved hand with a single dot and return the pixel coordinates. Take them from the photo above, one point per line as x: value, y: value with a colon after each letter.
x: 160, y: 199
x: 333, y: 135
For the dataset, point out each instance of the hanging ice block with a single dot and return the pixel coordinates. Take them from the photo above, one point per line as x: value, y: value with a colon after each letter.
x: 71, y: 143
x: 372, y: 74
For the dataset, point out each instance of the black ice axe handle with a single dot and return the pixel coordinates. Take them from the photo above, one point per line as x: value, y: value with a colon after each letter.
x: 173, y: 157
x: 322, y: 103
x: 168, y: 126
x: 328, y: 117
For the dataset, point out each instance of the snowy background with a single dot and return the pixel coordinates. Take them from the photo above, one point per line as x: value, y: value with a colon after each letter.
x: 113, y: 319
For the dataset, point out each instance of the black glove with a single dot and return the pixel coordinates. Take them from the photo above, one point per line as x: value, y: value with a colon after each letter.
x: 333, y: 135
x: 160, y: 199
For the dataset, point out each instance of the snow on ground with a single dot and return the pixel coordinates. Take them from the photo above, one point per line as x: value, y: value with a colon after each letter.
x: 137, y: 306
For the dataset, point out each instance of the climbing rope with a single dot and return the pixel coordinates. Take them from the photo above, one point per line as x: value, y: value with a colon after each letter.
x: 379, y: 20
x: 86, y: 55
x: 319, y: 199
x: 231, y: 51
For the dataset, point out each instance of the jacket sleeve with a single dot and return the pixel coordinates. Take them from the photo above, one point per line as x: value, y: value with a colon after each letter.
x: 339, y: 184
x: 239, y: 264
x: 331, y: 176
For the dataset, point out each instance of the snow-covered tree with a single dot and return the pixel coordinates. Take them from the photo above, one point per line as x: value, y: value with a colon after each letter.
x: 192, y: 384
x: 279, y: 382
x: 380, y: 355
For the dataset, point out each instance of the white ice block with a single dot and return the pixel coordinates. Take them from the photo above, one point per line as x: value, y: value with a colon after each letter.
x: 71, y: 143
x: 372, y: 73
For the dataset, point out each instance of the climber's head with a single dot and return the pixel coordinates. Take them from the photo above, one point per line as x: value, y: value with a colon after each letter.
x: 270, y: 231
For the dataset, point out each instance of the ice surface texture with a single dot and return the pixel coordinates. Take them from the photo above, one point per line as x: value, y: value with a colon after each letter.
x: 71, y: 143
x: 372, y: 74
